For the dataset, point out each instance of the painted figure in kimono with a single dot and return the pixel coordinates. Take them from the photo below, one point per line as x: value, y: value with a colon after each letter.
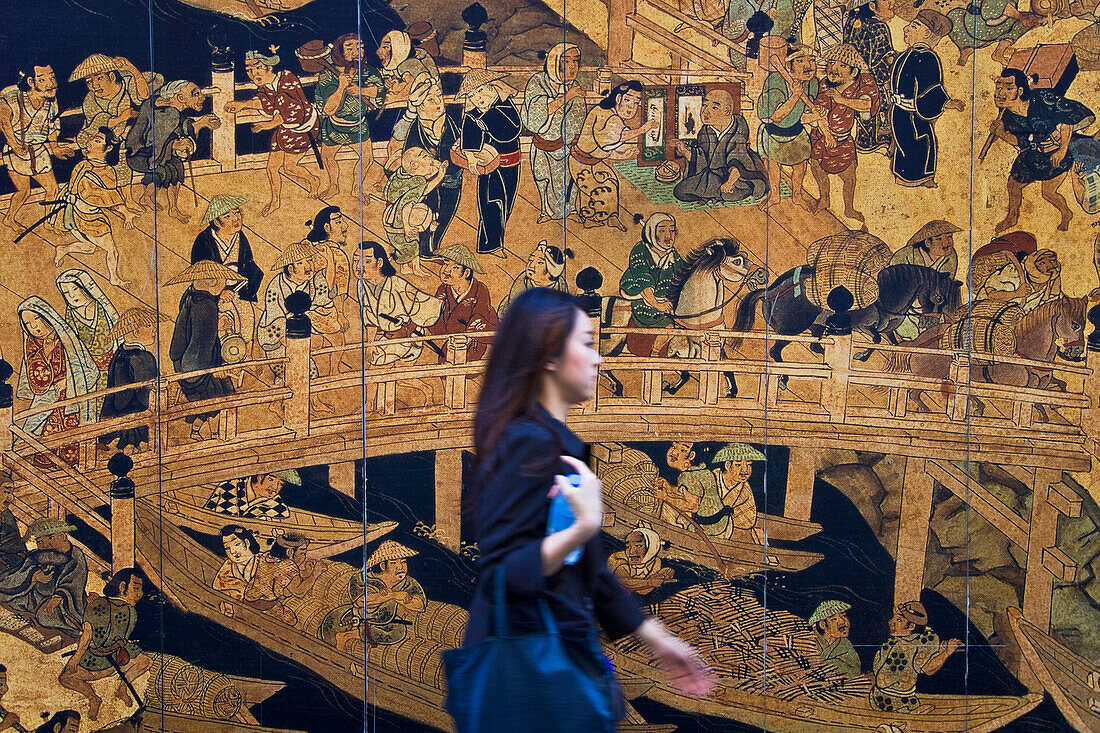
x: 735, y: 27
x: 638, y: 565
x: 407, y: 216
x: 196, y: 344
x: 91, y: 199
x: 116, y: 91
x: 1086, y: 173
x: 392, y: 307
x: 402, y: 63
x: 329, y: 231
x: 721, y: 166
x: 933, y: 245
x: 105, y: 643
x: 49, y: 586
x: 694, y: 482
x: 254, y: 497
x: 1043, y: 272
x: 56, y: 366
x: 605, y: 137
x: 847, y: 93
x: 831, y: 628
x: 865, y: 29
x: 224, y: 241
x: 545, y: 269
x: 466, y: 302
x: 31, y: 123
x: 294, y: 120
x: 786, y: 17
x: 732, y: 507
x: 1044, y: 126
x: 913, y: 649
x: 251, y: 576
x: 651, y: 266
x: 554, y: 111
x: 91, y: 315
x: 919, y: 100
x: 164, y: 137
x: 132, y: 363
x: 343, y: 626
x: 347, y: 102
x: 785, y: 107
x: 983, y: 23
x: 393, y: 596
x: 429, y: 125
x: 490, y: 145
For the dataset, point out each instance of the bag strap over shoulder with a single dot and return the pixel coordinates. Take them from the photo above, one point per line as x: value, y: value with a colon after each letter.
x: 500, y: 628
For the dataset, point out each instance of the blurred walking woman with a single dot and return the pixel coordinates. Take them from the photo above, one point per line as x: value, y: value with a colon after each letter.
x: 542, y: 363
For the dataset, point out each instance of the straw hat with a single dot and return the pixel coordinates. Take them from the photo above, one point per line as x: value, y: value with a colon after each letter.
x: 221, y: 205
x: 914, y: 613
x: 934, y: 228
x: 296, y: 252
x: 290, y: 476
x: 477, y: 78
x: 460, y: 254
x: 846, y: 54
x: 132, y: 320
x: 737, y: 452
x: 828, y: 609
x: 389, y: 550
x: 45, y: 527
x: 205, y: 270
x: 97, y: 63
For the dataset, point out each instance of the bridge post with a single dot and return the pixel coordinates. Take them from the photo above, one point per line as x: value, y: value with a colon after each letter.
x: 298, y: 331
x: 123, y: 525
x: 224, y: 139
x: 620, y: 36
x: 709, y: 379
x: 834, y: 390
x: 916, y: 512
x: 341, y: 477
x: 960, y: 377
x: 454, y: 386
x: 1042, y: 534
x: 7, y: 406
x: 448, y: 496
x: 802, y: 467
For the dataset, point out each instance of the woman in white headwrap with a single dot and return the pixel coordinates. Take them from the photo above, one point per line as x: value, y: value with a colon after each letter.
x: 401, y: 64
x: 91, y: 315
x: 554, y: 111
x: 55, y: 367
x: 545, y: 269
x: 637, y: 566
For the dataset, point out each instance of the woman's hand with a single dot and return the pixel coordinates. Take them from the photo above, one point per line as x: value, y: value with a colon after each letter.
x: 585, y: 500
x: 683, y: 665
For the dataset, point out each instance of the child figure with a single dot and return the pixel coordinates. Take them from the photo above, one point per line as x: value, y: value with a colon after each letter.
x: 407, y: 215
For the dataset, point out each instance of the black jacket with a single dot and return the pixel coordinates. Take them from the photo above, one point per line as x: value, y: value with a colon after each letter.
x: 510, y: 515
x: 205, y: 248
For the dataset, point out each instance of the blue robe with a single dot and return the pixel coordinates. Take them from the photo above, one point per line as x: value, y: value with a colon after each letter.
x: 919, y: 98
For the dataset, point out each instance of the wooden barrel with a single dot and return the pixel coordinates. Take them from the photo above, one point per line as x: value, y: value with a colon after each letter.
x: 851, y: 259
x: 415, y: 658
x: 444, y: 622
x: 990, y: 329
x: 180, y: 687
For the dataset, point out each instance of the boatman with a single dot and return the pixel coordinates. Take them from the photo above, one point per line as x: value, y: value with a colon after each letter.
x: 693, y: 483
x: 733, y: 506
x: 831, y: 626
x: 912, y: 649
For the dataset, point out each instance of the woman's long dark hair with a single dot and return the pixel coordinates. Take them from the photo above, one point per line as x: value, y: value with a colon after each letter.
x: 533, y: 331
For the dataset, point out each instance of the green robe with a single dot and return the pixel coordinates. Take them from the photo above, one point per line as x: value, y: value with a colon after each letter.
x: 840, y: 655
x: 112, y: 620
x: 350, y: 125
x: 402, y: 190
x: 642, y: 271
x: 386, y: 625
x: 785, y: 149
x: 896, y: 667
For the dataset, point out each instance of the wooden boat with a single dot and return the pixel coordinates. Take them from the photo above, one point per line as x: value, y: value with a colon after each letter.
x: 159, y: 721
x: 329, y: 535
x: 406, y: 677
x: 1072, y: 681
x: 938, y: 713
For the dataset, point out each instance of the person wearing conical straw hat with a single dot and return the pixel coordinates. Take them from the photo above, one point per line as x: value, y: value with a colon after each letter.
x: 393, y: 596
x: 31, y: 124
x: 196, y: 343
x: 224, y: 241
x: 490, y: 146
x: 933, y: 245
x: 116, y: 90
x: 297, y: 266
x: 466, y: 302
x: 831, y: 628
x: 59, y: 602
x: 132, y: 363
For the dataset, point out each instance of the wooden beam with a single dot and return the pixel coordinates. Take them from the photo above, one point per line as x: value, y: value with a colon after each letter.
x: 1065, y: 497
x: 1038, y: 582
x: 802, y: 470
x: 341, y: 476
x: 916, y: 512
x: 608, y: 452
x: 988, y: 506
x: 448, y: 497
x: 1060, y: 565
x: 672, y: 42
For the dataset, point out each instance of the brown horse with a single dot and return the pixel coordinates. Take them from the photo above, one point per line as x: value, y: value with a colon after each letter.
x: 1054, y: 329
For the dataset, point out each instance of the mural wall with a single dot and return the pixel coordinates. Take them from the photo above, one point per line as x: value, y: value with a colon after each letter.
x: 843, y: 265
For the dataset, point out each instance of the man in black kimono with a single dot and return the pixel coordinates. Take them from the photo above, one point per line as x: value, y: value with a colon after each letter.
x: 866, y: 29
x: 721, y: 167
x: 196, y: 345
x: 1044, y: 126
x: 224, y: 241
x: 490, y: 144
x: 132, y: 363
x: 919, y: 98
x: 165, y: 135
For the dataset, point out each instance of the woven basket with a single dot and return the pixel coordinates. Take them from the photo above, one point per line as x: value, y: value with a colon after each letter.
x: 991, y: 329
x: 851, y: 259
